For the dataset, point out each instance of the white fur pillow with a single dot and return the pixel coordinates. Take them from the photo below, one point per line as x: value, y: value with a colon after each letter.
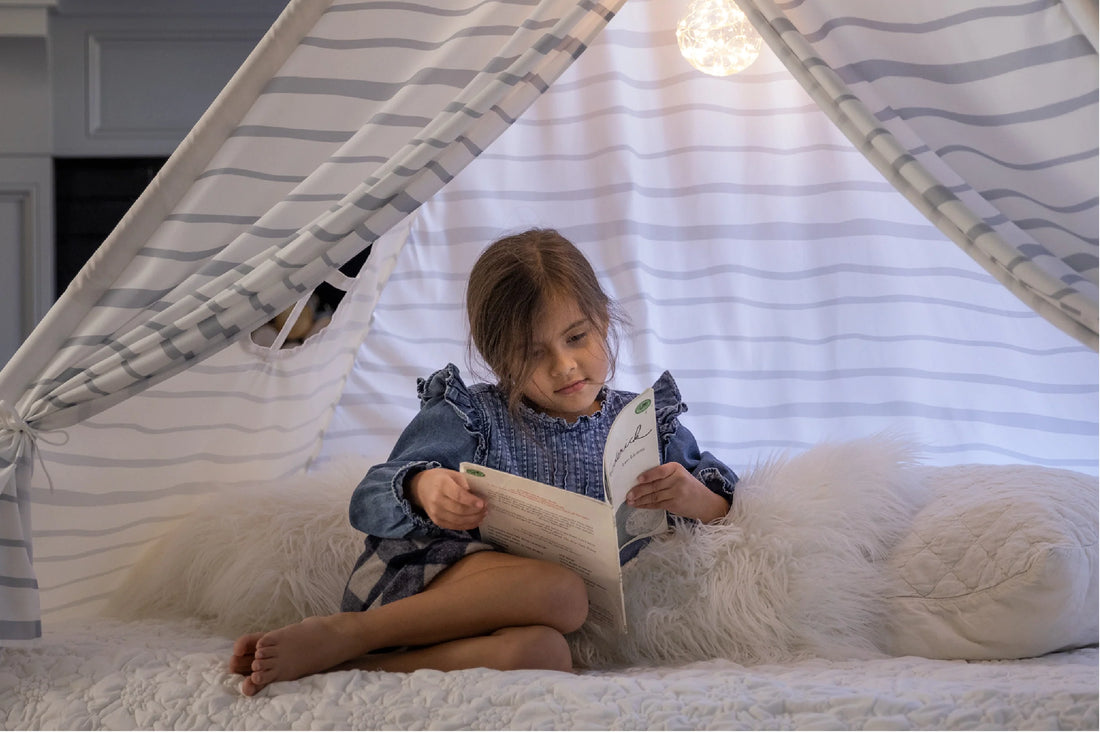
x: 796, y: 569
x: 1000, y: 564
x: 253, y: 556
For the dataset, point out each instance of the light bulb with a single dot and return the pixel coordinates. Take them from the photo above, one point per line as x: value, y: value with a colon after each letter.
x: 716, y: 37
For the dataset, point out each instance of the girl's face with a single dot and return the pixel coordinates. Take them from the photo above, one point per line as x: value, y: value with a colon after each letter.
x: 570, y: 362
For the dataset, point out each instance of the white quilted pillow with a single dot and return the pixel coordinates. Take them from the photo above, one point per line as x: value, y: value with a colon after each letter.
x: 1000, y: 564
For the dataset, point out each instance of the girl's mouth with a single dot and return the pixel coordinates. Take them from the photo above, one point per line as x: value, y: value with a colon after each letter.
x: 572, y: 388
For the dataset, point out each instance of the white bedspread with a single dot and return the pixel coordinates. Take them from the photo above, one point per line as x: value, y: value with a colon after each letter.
x: 105, y: 674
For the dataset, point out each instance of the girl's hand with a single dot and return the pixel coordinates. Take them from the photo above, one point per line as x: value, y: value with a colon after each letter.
x: 673, y: 488
x: 446, y: 498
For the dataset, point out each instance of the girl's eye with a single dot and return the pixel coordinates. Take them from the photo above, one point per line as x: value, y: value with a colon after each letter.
x: 577, y: 337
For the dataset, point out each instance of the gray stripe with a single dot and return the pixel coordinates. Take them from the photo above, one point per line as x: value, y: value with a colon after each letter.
x: 203, y: 428
x: 851, y: 300
x: 925, y: 26
x: 253, y: 174
x: 390, y: 42
x: 178, y: 255
x: 647, y: 114
x: 998, y: 193
x: 653, y: 192
x: 763, y: 231
x: 731, y: 300
x: 114, y: 570
x: 133, y: 298
x: 826, y: 270
x: 1045, y: 112
x: 8, y: 581
x: 323, y: 136
x: 89, y: 461
x: 1032, y: 166
x: 84, y: 601
x: 315, y: 197
x: 756, y: 446
x: 1029, y: 225
x: 650, y: 334
x: 375, y: 91
x: 86, y: 554
x: 143, y: 522
x: 194, y: 218
x: 69, y: 498
x: 644, y: 40
x: 386, y: 434
x: 669, y: 152
x: 1017, y: 455
x: 20, y: 630
x: 358, y: 159
x: 1082, y: 261
x: 411, y: 404
x: 828, y: 375
x: 425, y: 9
x: 966, y: 72
x: 900, y: 408
x: 714, y: 271
x: 279, y: 368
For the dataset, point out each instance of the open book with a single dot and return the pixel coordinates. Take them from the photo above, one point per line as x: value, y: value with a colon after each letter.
x: 533, y: 519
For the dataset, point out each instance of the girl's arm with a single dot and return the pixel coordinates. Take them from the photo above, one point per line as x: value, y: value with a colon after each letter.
x: 381, y: 504
x: 690, y: 483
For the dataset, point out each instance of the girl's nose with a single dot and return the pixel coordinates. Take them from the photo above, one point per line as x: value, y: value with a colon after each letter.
x: 563, y: 363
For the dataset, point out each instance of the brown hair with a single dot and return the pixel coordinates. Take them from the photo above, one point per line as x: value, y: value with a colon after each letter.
x: 511, y: 282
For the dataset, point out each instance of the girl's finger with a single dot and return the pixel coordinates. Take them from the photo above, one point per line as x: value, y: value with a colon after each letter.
x: 657, y: 473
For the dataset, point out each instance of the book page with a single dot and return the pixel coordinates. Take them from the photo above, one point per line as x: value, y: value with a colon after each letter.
x: 532, y: 519
x: 632, y: 449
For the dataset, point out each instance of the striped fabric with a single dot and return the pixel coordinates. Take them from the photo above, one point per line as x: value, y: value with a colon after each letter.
x: 795, y: 295
x: 321, y: 143
x: 984, y: 116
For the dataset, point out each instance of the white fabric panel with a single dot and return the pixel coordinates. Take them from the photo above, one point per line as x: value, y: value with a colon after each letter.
x: 792, y: 292
x: 277, y: 208
x: 125, y: 474
x: 985, y: 117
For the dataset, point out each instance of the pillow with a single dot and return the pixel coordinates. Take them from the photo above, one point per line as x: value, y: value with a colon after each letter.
x: 252, y: 556
x: 1001, y: 563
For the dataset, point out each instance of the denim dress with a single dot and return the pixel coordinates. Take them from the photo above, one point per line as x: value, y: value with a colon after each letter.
x: 404, y: 550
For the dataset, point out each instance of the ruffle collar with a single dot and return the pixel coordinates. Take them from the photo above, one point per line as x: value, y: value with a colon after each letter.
x: 447, y: 383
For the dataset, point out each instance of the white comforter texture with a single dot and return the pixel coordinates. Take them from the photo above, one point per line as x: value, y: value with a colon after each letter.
x: 803, y: 609
x: 112, y: 675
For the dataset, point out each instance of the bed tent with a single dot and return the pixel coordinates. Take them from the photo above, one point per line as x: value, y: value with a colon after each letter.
x: 795, y: 293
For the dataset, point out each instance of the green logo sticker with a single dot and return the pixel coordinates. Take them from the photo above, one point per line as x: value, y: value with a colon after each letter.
x: 475, y: 472
x: 642, y: 406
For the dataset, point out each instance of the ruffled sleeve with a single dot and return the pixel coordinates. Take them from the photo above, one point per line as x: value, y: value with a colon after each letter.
x: 669, y: 404
x: 446, y: 386
x: 444, y: 433
x: 678, y: 444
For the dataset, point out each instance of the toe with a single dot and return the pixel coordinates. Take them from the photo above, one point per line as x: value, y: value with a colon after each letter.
x: 240, y: 665
x: 250, y: 687
x: 246, y: 645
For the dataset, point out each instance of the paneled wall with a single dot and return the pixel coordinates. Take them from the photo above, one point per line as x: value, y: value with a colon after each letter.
x: 95, y: 79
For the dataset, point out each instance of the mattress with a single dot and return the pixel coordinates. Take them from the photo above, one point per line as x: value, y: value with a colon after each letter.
x: 114, y: 675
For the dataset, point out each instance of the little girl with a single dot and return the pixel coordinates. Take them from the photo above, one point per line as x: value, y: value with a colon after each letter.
x: 426, y: 592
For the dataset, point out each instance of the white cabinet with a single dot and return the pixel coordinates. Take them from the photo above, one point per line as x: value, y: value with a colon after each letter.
x: 97, y: 78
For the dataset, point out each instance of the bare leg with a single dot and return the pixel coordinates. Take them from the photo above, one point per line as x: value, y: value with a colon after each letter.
x: 517, y: 647
x: 479, y: 595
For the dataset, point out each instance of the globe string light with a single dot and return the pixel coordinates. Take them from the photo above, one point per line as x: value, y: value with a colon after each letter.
x: 717, y: 38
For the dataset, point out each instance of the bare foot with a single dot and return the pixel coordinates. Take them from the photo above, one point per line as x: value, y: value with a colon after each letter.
x: 312, y: 645
x: 244, y: 651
